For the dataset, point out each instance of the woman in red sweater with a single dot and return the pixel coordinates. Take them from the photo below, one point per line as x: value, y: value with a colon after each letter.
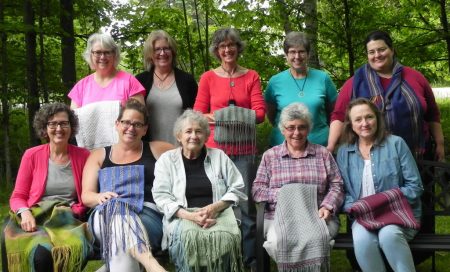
x: 227, y: 85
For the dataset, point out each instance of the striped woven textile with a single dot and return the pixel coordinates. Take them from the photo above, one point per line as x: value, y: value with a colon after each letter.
x: 386, y: 208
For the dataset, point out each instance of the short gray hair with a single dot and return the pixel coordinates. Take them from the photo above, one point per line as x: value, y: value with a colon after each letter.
x: 222, y: 35
x: 295, y: 111
x: 107, y: 42
x: 296, y: 39
x: 190, y: 116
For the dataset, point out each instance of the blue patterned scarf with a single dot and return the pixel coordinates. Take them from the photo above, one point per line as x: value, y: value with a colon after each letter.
x: 128, y: 182
x: 399, y: 104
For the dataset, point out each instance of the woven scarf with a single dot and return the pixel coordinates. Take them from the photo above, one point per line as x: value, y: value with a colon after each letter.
x: 399, y: 104
x: 235, y: 129
x: 66, y: 237
x: 118, y: 216
x: 97, y: 124
x: 216, y: 249
x: 303, y: 241
x: 386, y: 208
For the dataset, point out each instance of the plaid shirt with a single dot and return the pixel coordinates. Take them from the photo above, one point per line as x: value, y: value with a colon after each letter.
x: 315, y: 166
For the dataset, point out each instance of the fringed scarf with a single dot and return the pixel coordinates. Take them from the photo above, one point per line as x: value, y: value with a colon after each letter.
x: 121, y: 227
x: 399, y: 104
x: 386, y: 208
x: 235, y: 129
x: 216, y: 249
x: 66, y: 237
x: 303, y: 240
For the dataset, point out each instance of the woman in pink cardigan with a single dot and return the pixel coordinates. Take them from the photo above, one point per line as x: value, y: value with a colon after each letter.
x: 46, y: 200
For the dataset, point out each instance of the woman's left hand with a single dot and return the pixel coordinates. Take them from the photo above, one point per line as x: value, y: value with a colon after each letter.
x: 211, y: 211
x: 440, y: 152
x: 324, y: 213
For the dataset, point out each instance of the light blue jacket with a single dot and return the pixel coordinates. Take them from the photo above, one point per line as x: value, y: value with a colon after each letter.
x: 393, y: 166
x: 169, y: 186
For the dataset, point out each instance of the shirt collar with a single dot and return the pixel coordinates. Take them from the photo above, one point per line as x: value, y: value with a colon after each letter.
x: 284, y: 152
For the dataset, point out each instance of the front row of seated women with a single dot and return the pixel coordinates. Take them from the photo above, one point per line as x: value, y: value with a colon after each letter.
x: 149, y: 195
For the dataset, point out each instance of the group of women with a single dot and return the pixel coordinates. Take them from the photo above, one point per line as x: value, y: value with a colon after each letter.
x: 147, y: 195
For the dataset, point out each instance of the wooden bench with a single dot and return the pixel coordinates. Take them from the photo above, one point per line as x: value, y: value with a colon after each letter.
x: 435, y: 203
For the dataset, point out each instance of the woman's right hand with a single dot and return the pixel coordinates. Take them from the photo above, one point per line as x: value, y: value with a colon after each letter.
x: 28, y: 222
x: 104, y: 197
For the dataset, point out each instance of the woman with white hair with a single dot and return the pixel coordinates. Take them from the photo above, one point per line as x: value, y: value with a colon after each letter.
x: 98, y: 96
x: 313, y: 197
x: 195, y: 187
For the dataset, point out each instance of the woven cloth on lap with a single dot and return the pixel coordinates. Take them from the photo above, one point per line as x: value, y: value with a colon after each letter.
x: 214, y: 249
x: 303, y: 240
x: 97, y: 124
x: 386, y: 208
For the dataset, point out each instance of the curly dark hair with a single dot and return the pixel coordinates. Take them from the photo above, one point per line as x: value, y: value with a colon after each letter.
x: 46, y: 112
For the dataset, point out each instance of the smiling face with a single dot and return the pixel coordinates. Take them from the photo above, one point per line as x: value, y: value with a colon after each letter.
x: 295, y: 133
x: 297, y: 58
x: 61, y: 133
x: 364, y: 122
x: 134, y: 132
x: 227, y: 51
x: 192, y: 138
x: 162, y: 54
x: 380, y: 56
x: 102, y: 58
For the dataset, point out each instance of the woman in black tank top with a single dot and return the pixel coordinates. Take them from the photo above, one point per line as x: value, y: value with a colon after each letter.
x: 117, y: 181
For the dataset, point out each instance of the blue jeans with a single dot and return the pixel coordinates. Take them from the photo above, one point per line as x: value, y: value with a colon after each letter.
x: 152, y: 221
x: 247, y: 168
x: 391, y: 239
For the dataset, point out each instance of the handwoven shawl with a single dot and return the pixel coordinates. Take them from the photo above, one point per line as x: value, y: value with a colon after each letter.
x: 386, y: 208
x: 235, y: 129
x: 218, y: 248
x: 58, y: 230
x: 127, y: 232
x: 303, y: 240
x: 399, y: 104
x: 97, y: 124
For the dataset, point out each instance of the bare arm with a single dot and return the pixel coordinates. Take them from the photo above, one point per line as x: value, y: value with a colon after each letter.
x: 438, y: 135
x: 335, y: 132
x: 73, y: 105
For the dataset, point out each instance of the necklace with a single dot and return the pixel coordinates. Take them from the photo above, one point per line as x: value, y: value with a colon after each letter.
x: 300, y: 91
x: 230, y: 75
x: 161, y: 80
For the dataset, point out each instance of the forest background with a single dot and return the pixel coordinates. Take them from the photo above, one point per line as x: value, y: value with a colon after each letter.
x: 41, y: 43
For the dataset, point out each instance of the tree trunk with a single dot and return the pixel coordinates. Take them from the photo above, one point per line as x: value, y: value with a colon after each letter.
x: 188, y: 37
x: 68, y: 72
x: 348, y: 39
x: 284, y: 16
x: 311, y: 26
x: 207, y: 34
x: 33, y: 92
x: 4, y: 99
x: 42, y: 80
x: 444, y: 23
x: 197, y: 17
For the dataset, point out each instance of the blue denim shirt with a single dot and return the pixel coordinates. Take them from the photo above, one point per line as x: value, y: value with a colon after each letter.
x: 393, y: 166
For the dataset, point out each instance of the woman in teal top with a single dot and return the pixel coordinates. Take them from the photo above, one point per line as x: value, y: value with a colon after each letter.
x: 300, y: 83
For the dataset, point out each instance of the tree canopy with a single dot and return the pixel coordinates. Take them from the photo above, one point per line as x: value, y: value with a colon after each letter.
x: 41, y: 43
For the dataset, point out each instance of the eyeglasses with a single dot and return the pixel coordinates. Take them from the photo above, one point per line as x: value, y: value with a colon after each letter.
x: 99, y: 53
x: 295, y: 52
x: 229, y: 45
x: 380, y: 50
x: 294, y: 128
x: 127, y: 124
x: 55, y: 124
x: 158, y: 50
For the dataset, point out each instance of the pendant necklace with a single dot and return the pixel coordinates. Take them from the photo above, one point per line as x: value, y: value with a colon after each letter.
x: 230, y: 75
x: 300, y: 91
x: 161, y: 80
